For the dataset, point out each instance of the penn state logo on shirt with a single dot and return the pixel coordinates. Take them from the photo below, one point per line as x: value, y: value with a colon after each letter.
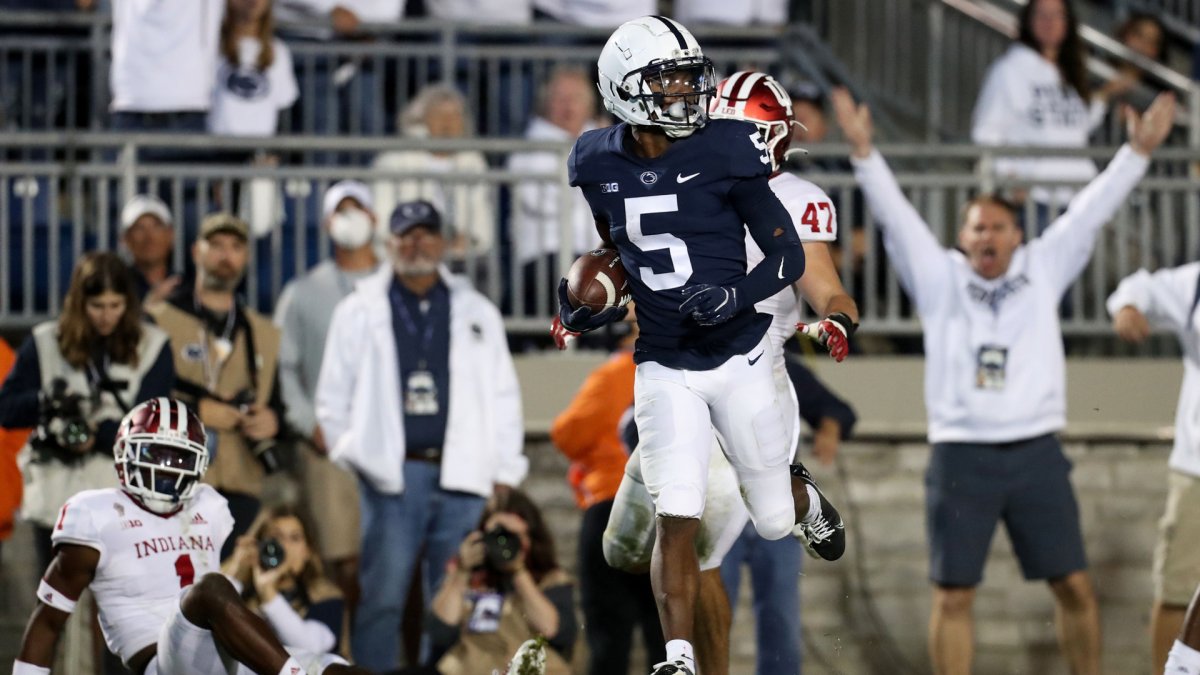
x: 648, y: 177
x: 247, y: 83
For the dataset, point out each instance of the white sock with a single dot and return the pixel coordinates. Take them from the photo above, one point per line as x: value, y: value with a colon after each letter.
x: 814, y: 504
x: 681, y: 650
x: 292, y: 667
x: 1183, y: 660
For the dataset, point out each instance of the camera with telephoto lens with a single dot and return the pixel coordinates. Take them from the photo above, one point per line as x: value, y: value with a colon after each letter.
x: 265, y: 450
x: 270, y: 554
x: 62, y: 425
x: 500, y: 547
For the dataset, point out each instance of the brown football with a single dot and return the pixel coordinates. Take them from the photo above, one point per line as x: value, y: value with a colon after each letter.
x: 597, y: 280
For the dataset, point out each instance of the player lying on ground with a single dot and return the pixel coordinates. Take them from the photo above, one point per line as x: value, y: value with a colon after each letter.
x: 629, y: 538
x: 149, y: 552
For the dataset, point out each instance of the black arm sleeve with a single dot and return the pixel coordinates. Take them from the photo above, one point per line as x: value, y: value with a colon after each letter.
x: 19, y: 393
x: 816, y: 401
x: 442, y: 636
x: 771, y: 226
x: 563, y: 599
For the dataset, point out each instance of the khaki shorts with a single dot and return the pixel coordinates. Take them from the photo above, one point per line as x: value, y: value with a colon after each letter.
x: 331, y: 497
x: 1177, y: 556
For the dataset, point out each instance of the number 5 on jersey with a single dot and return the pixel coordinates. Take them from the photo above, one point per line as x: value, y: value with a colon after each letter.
x: 635, y: 208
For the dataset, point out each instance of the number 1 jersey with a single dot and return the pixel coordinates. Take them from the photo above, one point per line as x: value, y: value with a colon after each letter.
x: 675, y: 226
x: 145, y: 558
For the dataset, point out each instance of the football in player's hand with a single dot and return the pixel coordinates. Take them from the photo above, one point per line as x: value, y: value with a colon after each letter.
x: 597, y: 280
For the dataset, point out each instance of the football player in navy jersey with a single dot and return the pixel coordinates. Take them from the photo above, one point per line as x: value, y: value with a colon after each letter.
x: 675, y: 194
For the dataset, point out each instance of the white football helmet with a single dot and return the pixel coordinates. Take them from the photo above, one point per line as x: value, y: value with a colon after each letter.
x: 653, y: 73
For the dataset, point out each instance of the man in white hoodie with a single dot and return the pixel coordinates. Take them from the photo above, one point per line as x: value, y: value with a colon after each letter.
x: 995, y: 384
x: 418, y: 395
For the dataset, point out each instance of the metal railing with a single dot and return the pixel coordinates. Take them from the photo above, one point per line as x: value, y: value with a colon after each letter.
x: 60, y: 80
x: 51, y: 211
x: 926, y: 59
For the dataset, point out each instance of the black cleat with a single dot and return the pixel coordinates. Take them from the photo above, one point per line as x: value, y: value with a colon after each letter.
x: 824, y: 536
x: 676, y: 667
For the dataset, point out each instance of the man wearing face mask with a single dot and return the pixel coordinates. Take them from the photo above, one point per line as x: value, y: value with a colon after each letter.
x: 418, y: 395
x: 226, y: 356
x: 303, y: 315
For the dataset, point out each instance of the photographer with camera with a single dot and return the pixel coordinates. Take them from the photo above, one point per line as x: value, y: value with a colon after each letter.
x: 225, y: 358
x: 504, y: 588
x: 280, y: 574
x: 73, y: 381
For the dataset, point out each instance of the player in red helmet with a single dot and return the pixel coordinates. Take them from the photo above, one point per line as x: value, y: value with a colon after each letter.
x: 149, y: 552
x: 757, y: 98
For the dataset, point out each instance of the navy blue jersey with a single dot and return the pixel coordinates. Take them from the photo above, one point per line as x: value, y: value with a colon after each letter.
x: 672, y: 221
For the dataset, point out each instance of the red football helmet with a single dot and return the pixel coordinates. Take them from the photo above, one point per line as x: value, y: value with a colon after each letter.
x: 760, y: 99
x: 161, y: 452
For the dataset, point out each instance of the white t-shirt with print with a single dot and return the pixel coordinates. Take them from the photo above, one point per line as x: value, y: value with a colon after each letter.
x: 246, y: 101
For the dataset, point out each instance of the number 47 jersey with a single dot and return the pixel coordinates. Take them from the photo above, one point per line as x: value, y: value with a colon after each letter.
x: 674, y: 225
x: 145, y: 558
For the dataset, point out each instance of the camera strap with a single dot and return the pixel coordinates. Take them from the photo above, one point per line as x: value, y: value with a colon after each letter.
x: 99, y: 378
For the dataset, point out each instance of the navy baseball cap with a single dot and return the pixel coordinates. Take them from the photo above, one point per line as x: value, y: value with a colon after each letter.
x: 420, y: 213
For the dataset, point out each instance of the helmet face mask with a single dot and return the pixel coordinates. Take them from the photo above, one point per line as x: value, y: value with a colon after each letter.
x: 653, y: 73
x: 160, y: 454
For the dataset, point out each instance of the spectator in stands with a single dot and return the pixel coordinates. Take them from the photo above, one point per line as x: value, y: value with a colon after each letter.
x: 74, y: 379
x: 504, y: 587
x: 164, y: 60
x: 226, y: 357
x: 1143, y: 34
x: 775, y: 566
x: 566, y: 108
x: 440, y: 111
x: 255, y: 77
x: 1038, y: 94
x: 588, y: 433
x: 148, y: 233
x: 278, y: 567
x: 722, y: 12
x: 418, y: 395
x: 518, y: 12
x: 995, y: 383
x: 303, y: 314
x: 345, y: 94
x: 11, y: 442
x: 1168, y: 299
x: 594, y: 13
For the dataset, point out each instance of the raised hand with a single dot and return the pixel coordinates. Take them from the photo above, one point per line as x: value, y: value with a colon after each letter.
x: 1148, y: 130
x: 854, y: 119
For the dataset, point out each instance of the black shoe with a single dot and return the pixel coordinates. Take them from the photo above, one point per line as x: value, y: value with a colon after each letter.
x: 676, y: 667
x: 825, y: 536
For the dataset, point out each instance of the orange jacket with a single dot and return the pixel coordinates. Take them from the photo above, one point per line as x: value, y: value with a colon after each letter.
x: 586, y: 432
x: 11, y: 442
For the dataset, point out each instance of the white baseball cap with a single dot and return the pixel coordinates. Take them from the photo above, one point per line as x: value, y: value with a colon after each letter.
x: 343, y: 189
x: 139, y: 206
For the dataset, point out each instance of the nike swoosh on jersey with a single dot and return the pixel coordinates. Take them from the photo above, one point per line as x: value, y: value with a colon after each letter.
x: 780, y: 269
x: 680, y: 178
x: 755, y: 359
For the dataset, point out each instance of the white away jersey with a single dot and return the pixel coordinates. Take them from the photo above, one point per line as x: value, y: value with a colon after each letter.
x: 144, y: 558
x: 815, y: 219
